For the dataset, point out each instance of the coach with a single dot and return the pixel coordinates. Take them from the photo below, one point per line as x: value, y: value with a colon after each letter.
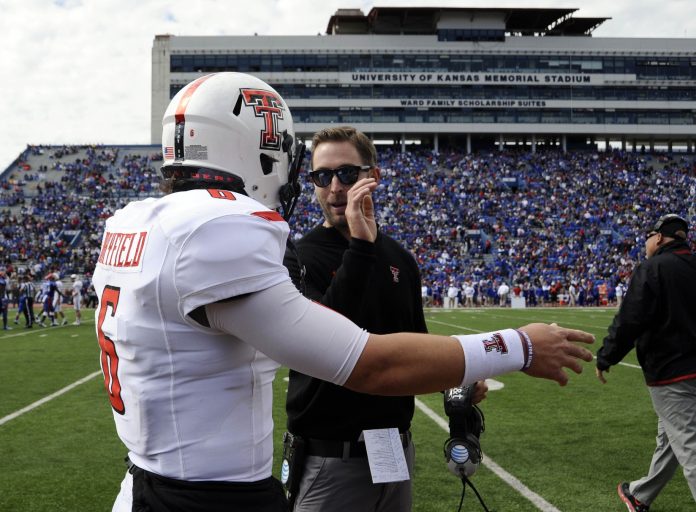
x: 657, y: 316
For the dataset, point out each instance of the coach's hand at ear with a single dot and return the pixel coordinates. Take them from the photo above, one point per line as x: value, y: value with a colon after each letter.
x: 553, y: 350
x: 360, y: 212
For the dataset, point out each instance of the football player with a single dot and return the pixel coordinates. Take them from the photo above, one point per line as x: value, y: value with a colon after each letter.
x: 77, y: 298
x: 58, y: 299
x: 46, y: 296
x: 196, y: 312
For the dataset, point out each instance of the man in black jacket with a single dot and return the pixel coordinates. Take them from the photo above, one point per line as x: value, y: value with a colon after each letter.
x: 657, y: 317
x: 367, y: 276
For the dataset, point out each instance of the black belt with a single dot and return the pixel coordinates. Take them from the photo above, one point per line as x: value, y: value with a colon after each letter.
x: 344, y: 449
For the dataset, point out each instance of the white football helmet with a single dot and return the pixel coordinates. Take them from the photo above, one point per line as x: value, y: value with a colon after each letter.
x: 233, y: 128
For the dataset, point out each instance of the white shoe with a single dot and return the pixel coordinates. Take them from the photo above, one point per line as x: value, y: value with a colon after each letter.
x: 76, y: 323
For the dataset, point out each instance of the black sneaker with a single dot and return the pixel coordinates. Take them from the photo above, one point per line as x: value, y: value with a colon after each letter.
x: 630, y: 500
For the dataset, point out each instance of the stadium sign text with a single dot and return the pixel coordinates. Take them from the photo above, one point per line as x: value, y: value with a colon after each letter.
x: 478, y: 78
x: 472, y: 103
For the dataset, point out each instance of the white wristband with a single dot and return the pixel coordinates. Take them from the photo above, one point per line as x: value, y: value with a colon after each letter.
x: 491, y: 353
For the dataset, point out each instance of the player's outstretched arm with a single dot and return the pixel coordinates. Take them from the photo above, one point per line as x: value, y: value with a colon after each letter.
x: 396, y: 364
x: 317, y: 341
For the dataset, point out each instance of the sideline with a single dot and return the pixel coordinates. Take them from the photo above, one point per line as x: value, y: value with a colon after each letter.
x: 49, y: 397
x: 506, y: 477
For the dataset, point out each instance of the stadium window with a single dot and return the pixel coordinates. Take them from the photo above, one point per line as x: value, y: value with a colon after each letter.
x: 484, y: 117
x: 591, y: 65
x: 188, y: 63
x: 527, y: 117
x: 459, y: 118
x: 198, y: 62
x: 175, y: 63
x: 619, y: 65
x: 413, y: 118
x: 232, y: 63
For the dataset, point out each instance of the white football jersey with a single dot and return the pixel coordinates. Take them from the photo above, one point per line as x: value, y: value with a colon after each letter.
x: 161, y: 259
x: 57, y: 297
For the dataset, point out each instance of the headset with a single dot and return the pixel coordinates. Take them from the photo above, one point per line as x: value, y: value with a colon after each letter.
x: 466, y: 424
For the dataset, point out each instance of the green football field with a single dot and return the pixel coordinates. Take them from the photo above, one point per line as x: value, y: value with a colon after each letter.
x: 546, y: 447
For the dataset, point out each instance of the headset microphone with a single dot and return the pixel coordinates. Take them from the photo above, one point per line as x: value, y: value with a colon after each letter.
x: 466, y: 423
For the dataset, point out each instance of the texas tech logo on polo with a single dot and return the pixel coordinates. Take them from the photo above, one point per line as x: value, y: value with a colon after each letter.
x: 268, y: 105
x: 497, y: 343
x: 123, y: 251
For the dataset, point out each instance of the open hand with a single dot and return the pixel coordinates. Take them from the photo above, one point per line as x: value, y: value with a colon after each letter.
x: 554, y: 350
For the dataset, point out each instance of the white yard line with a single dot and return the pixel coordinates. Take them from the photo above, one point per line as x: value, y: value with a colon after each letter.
x: 38, y: 329
x: 506, y: 477
x: 490, y: 313
x: 49, y: 397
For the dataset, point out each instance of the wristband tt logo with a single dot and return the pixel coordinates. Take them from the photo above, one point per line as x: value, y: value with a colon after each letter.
x: 109, y: 357
x: 497, y: 342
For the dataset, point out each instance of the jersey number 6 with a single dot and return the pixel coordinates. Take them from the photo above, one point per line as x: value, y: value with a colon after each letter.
x: 109, y: 357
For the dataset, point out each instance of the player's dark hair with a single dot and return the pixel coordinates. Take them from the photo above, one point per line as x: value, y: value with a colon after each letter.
x: 183, y: 178
x: 361, y: 142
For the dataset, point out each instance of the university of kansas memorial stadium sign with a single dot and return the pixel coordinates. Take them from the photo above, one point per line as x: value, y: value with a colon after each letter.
x: 381, y: 77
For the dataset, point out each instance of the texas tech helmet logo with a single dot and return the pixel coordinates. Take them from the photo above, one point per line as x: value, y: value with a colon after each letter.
x: 270, y: 107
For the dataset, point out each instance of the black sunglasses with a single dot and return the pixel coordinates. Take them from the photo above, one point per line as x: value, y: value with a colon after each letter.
x: 347, y: 175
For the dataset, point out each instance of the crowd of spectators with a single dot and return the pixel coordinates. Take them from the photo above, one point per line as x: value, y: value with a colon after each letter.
x: 541, y: 222
x: 555, y: 227
x: 57, y: 224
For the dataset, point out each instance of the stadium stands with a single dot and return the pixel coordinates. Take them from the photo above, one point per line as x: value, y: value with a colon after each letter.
x: 538, y: 220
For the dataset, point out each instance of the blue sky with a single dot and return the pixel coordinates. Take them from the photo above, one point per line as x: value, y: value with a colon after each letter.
x: 78, y: 71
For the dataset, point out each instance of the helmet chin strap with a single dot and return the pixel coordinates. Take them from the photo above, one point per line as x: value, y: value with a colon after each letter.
x: 290, y: 192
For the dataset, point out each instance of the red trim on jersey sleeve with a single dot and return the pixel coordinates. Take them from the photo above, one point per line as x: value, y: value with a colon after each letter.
x: 272, y: 216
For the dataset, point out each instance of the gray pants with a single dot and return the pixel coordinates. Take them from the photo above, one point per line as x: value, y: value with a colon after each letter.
x: 332, y: 484
x: 675, y: 405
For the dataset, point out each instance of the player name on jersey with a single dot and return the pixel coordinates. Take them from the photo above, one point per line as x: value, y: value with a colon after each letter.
x: 122, y: 250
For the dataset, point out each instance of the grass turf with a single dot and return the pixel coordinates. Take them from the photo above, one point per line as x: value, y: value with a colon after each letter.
x: 570, y: 446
